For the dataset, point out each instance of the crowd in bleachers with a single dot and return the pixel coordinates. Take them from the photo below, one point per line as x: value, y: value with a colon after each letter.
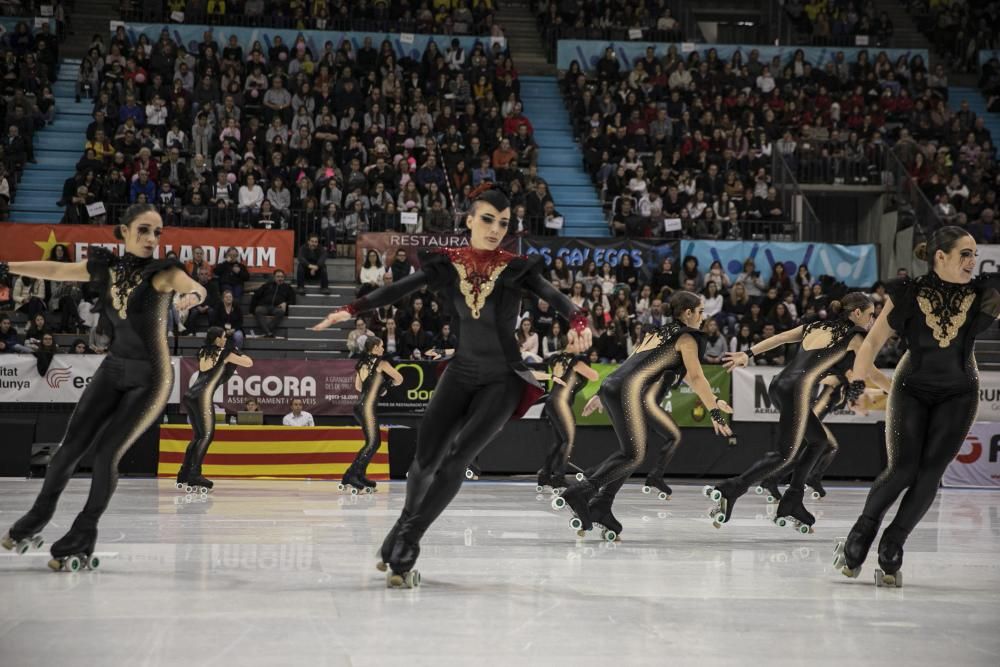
x: 839, y: 22
x: 605, y: 20
x: 958, y: 29
x: 28, y: 62
x: 334, y: 142
x: 694, y: 137
x: 448, y: 17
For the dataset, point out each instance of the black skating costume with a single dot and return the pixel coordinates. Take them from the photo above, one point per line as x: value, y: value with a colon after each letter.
x: 933, y: 402
x: 483, y: 386
x: 201, y: 412
x: 372, y: 386
x: 558, y: 411
x: 126, y: 397
x: 631, y: 398
x: 793, y: 392
x: 664, y: 425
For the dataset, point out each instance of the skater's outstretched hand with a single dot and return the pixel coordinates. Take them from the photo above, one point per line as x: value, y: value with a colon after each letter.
x: 592, y: 406
x: 723, y: 428
x: 733, y: 359
x: 335, y: 317
x: 558, y: 380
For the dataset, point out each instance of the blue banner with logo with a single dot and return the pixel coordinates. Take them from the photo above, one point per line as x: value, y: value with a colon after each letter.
x: 854, y: 265
x: 589, y: 52
x: 412, y: 46
x: 578, y: 251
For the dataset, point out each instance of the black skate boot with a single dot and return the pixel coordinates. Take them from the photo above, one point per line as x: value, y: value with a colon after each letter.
x: 182, y: 477
x: 370, y: 483
x: 578, y: 498
x: 724, y: 494
x: 654, y: 482
x: 75, y: 549
x: 353, y: 482
x: 26, y: 532
x: 600, y: 514
x: 544, y: 480
x: 817, y: 488
x: 890, y: 558
x: 791, y: 509
x: 558, y: 484
x: 404, y: 556
x: 385, y: 551
x: 198, y: 483
x: 850, y: 553
x: 770, y: 487
x: 473, y: 472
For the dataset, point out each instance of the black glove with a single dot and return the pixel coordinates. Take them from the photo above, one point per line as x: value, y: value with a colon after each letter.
x: 717, y: 416
x: 855, y: 390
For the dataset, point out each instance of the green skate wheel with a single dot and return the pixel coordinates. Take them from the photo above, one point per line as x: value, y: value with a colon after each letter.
x: 804, y: 529
x: 609, y: 535
x: 716, y: 495
x: 93, y: 563
x: 759, y: 490
x: 646, y: 489
x: 719, y: 517
x: 781, y: 523
x: 558, y: 503
x: 539, y: 488
x: 73, y: 564
x: 575, y: 523
x: 663, y: 496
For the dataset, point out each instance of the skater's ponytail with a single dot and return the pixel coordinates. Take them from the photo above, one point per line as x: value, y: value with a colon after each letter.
x: 944, y: 240
x: 851, y: 302
x: 210, y: 348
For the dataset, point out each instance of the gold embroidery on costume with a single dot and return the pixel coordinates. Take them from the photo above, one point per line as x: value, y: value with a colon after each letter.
x: 123, y: 283
x: 945, y: 313
x: 476, y: 286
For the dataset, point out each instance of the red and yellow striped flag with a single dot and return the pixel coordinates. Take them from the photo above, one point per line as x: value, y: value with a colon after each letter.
x: 277, y: 452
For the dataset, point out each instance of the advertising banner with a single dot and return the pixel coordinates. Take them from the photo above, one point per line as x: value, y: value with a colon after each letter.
x: 682, y: 403
x: 589, y: 52
x: 404, y: 45
x: 751, y: 402
x: 387, y: 243
x: 855, y: 265
x: 987, y: 258
x: 576, y: 252
x: 275, y: 452
x: 978, y: 462
x: 64, y: 382
x: 261, y: 250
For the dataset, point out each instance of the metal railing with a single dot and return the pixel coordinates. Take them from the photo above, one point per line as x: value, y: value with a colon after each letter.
x: 909, y: 201
x: 831, y: 163
x: 804, y: 223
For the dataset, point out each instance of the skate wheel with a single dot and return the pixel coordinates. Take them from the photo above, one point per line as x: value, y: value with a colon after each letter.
x: 759, y: 490
x: 815, y: 495
x: 575, y: 523
x: 719, y: 518
x: 804, y: 529
x: 55, y: 564
x: 188, y: 488
x: 580, y: 477
x: 411, y: 579
x: 381, y: 567
x: 539, y: 488
x: 93, y: 563
x: 706, y: 491
x: 393, y: 580
x: 581, y: 533
x: 609, y: 535
x: 203, y: 490
x: 469, y: 474
x: 716, y: 495
x: 37, y: 541
x: 73, y: 564
x: 558, y: 503
x: 780, y: 522
x: 771, y: 499
x: 179, y: 486
x: 340, y: 487
x: 663, y: 496
x: 354, y: 491
x: 646, y: 489
x: 557, y: 492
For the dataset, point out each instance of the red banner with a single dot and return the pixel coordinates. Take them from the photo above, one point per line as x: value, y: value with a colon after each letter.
x: 387, y: 243
x: 326, y: 387
x: 261, y: 250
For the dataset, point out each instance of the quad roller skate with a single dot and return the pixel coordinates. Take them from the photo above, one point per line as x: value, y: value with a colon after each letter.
x: 75, y: 550
x: 655, y: 483
x: 22, y: 545
x: 771, y: 488
x: 890, y: 559
x: 196, y: 483
x: 792, y: 511
x: 817, y: 489
x: 724, y: 496
x: 578, y: 498
x: 370, y: 483
x: 385, y: 551
x: 26, y: 533
x: 544, y: 480
x: 354, y: 483
x: 472, y: 472
x: 849, y: 553
x: 600, y: 513
x: 401, y: 573
x: 182, y: 479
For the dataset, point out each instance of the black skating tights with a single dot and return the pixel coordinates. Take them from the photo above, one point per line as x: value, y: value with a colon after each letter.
x: 201, y: 415
x: 559, y: 414
x: 465, y: 414
x: 364, y: 413
x: 122, y: 401
x: 924, y: 432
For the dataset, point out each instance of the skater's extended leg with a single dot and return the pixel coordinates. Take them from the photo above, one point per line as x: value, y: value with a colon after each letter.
x: 623, y: 403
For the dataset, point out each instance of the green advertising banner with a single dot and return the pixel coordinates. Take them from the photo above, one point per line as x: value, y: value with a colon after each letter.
x: 681, y: 402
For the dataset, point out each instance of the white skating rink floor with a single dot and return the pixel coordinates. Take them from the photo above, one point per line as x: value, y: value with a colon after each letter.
x: 282, y: 573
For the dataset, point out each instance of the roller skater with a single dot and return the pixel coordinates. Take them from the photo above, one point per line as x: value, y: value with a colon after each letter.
x: 824, y: 345
x: 664, y: 426
x: 370, y: 374
x: 484, y: 385
x: 130, y: 389
x: 217, y: 361
x: 934, y: 396
x: 570, y: 374
x: 629, y: 395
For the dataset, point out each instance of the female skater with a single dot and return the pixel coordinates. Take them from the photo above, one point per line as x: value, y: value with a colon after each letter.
x: 128, y: 391
x: 934, y: 396
x: 484, y: 385
x: 825, y: 343
x: 570, y: 374
x: 369, y: 380
x: 217, y: 361
x: 630, y: 396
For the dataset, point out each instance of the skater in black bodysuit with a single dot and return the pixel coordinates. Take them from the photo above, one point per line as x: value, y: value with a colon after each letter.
x: 934, y: 397
x: 824, y: 345
x: 570, y: 373
x: 129, y: 390
x: 484, y: 385
x: 370, y: 374
x: 217, y: 361
x: 630, y: 396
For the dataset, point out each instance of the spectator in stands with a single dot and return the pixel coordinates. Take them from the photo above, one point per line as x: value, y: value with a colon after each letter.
x: 415, y: 341
x: 298, y: 416
x: 10, y: 341
x: 271, y: 302
x: 252, y: 405
x: 400, y: 267
x: 357, y: 337
x: 527, y: 341
x: 231, y: 273
x: 228, y: 315
x: 79, y: 346
x: 715, y: 344
x: 28, y: 295
x: 311, y: 265
x: 774, y: 356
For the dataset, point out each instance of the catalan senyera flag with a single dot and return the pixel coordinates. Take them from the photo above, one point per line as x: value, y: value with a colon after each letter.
x: 276, y: 452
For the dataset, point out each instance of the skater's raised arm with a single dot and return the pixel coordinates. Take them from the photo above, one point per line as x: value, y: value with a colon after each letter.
x: 695, y: 378
x: 383, y: 296
x: 734, y: 359
x: 586, y: 371
x: 391, y: 371
x: 864, y: 357
x: 240, y: 360
x: 48, y: 270
x: 177, y: 280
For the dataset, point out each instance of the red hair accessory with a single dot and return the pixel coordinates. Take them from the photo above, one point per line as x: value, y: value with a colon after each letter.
x: 480, y: 189
x: 579, y: 322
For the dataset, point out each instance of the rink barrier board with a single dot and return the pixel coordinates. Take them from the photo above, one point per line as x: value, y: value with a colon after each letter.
x: 278, y: 452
